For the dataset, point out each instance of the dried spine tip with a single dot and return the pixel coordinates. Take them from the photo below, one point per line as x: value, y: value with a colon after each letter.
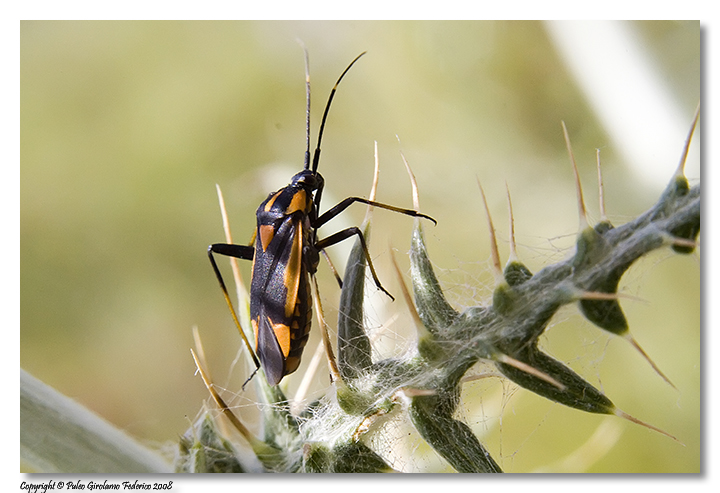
x: 686, y: 148
x: 497, y: 270
x: 622, y: 414
x: 513, y: 246
x: 655, y: 367
x: 413, y: 182
x: 601, y: 190
x: 578, y: 187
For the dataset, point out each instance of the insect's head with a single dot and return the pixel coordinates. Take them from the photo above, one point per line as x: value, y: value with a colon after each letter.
x: 308, y: 179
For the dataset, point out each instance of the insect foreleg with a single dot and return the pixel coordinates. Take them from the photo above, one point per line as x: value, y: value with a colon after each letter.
x: 328, y: 215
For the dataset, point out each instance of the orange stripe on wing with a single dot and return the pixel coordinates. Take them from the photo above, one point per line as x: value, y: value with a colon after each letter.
x: 282, y: 334
x: 267, y: 233
x: 299, y: 202
x: 293, y: 271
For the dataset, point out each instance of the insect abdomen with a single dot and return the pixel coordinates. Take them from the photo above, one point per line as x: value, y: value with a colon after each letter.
x: 299, y: 325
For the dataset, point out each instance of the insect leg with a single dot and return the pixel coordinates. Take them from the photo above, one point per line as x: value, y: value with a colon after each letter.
x: 328, y: 215
x: 229, y: 250
x: 344, y: 235
x: 238, y: 251
x: 332, y: 268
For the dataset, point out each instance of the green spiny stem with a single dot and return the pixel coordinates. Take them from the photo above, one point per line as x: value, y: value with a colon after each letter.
x: 523, y: 307
x: 326, y: 437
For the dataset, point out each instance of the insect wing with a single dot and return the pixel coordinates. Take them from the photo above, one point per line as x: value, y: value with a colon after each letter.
x: 278, y: 273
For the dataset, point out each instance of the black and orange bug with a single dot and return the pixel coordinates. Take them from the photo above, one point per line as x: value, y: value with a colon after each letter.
x: 286, y: 253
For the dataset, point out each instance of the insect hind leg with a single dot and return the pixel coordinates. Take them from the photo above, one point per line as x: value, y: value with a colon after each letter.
x: 229, y: 250
x: 243, y: 252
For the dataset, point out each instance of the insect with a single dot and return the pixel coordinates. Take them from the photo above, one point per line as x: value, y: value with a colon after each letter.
x: 285, y: 253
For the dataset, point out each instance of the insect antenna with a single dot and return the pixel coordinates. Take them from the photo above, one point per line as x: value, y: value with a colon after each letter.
x: 316, y: 156
x: 307, y: 109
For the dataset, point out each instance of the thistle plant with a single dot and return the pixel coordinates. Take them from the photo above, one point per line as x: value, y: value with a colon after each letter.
x: 423, y: 384
x: 421, y: 387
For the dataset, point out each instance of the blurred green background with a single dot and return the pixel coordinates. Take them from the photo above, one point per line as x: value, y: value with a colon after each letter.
x: 126, y: 127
